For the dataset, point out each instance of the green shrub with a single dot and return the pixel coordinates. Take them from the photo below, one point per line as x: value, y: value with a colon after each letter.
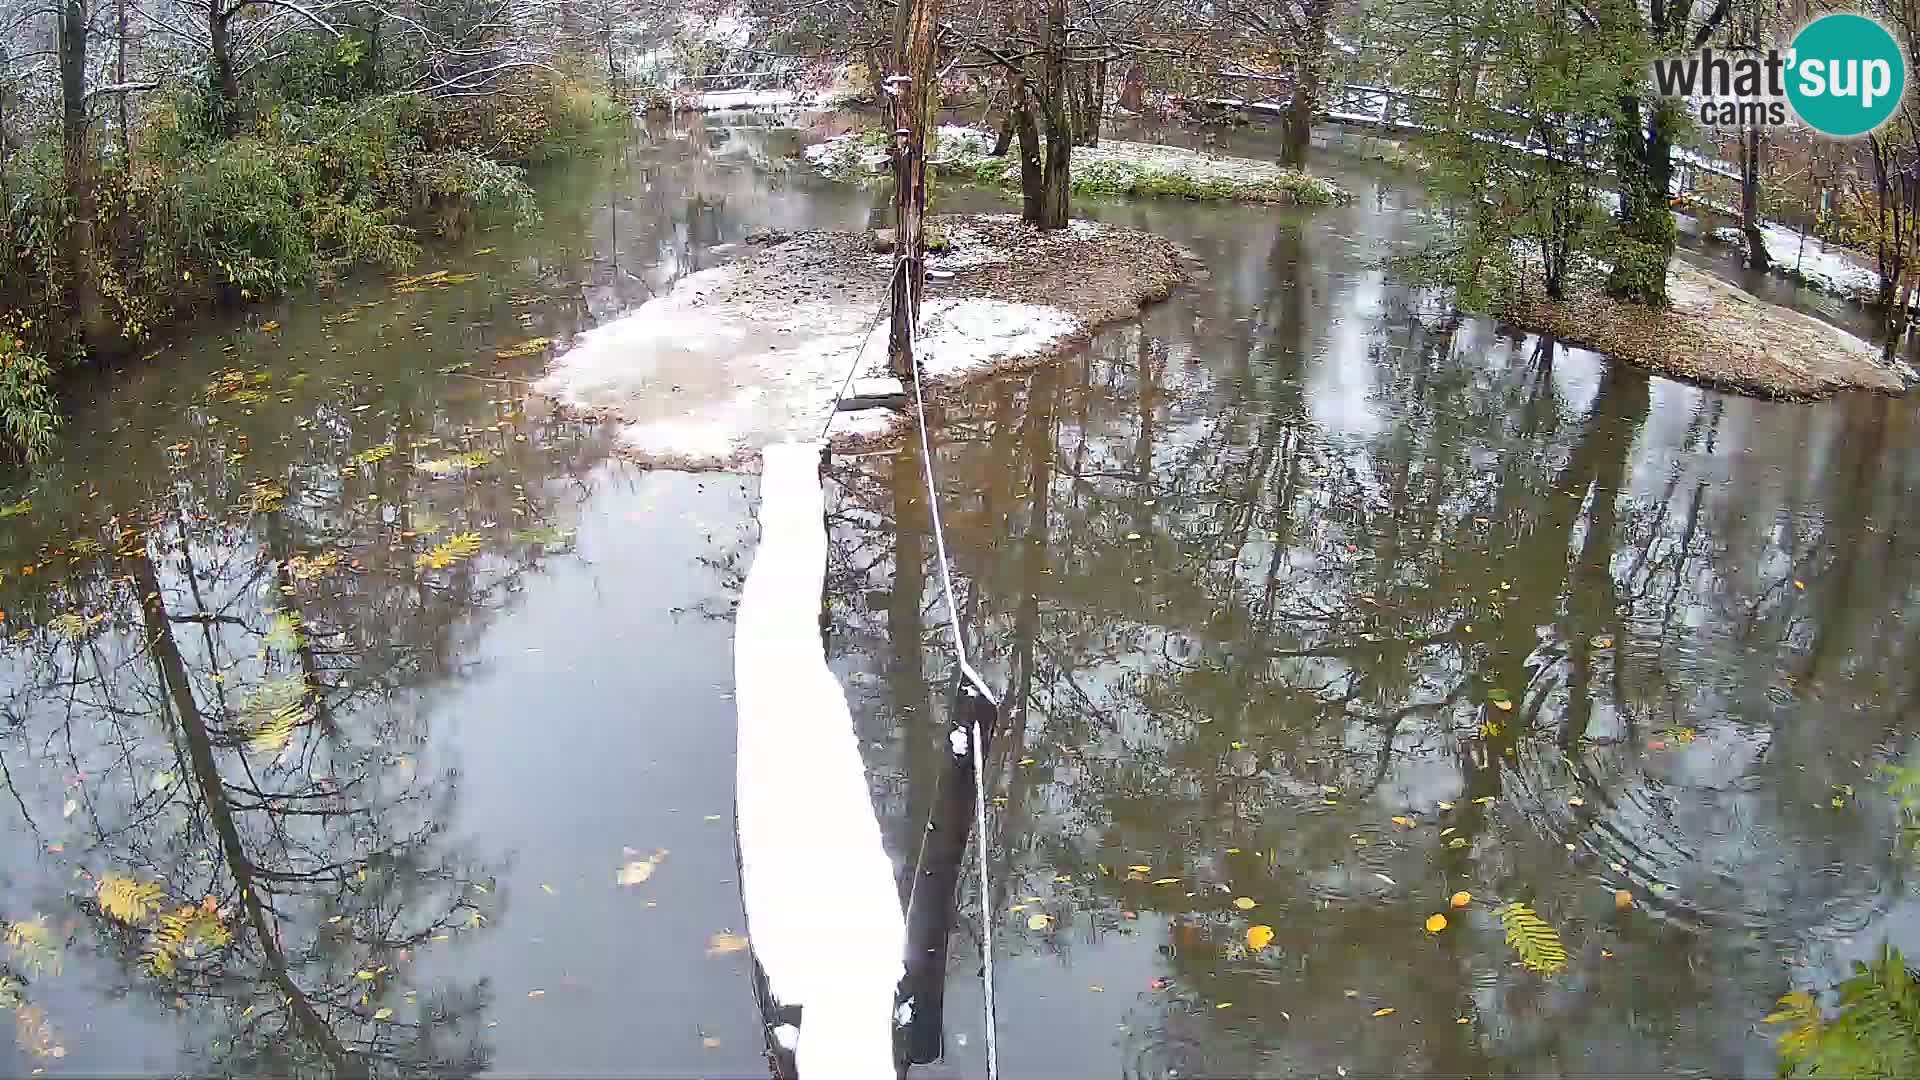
x: 29, y: 415
x: 241, y: 214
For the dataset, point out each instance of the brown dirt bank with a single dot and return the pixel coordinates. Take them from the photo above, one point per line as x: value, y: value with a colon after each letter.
x: 1716, y: 336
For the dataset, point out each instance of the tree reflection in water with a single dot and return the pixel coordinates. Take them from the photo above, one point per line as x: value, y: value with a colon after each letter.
x: 1247, y: 614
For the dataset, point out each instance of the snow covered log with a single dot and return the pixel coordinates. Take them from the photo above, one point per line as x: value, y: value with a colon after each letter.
x: 823, y: 914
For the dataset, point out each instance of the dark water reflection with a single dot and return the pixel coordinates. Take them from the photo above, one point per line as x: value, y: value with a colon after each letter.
x: 1255, y: 571
x: 330, y: 624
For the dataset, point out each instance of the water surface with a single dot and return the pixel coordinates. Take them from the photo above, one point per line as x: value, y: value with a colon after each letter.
x: 322, y: 604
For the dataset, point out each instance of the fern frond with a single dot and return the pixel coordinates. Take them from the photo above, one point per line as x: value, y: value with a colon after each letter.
x: 125, y: 899
x: 1537, y: 944
x: 285, y: 634
x: 455, y: 549
x: 184, y: 931
x: 33, y: 945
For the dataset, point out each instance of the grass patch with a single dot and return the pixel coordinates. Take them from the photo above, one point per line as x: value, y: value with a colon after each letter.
x: 1113, y: 168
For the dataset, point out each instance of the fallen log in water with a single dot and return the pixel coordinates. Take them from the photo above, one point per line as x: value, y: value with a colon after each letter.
x: 823, y: 914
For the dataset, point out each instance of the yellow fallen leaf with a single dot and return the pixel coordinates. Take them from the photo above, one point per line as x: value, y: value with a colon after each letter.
x: 1461, y: 1020
x: 1039, y: 922
x: 1436, y: 923
x: 546, y: 888
x: 1140, y: 869
x: 1259, y: 937
x: 1622, y: 899
x: 1165, y: 880
x: 1245, y: 903
x: 1404, y: 822
x: 1383, y: 1012
x: 634, y: 872
x: 1224, y: 1005
x: 383, y: 1014
x: 1504, y: 704
x: 722, y: 944
x: 1576, y: 801
x: 536, y: 993
x: 1444, y: 805
x: 1461, y: 899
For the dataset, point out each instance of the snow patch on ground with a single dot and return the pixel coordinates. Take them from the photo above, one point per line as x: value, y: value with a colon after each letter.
x: 700, y: 379
x: 823, y: 917
x: 716, y: 100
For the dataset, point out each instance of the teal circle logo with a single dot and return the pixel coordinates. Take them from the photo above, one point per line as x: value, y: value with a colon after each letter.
x: 1846, y: 75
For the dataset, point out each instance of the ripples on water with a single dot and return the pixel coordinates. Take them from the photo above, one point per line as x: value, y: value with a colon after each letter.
x: 331, y: 625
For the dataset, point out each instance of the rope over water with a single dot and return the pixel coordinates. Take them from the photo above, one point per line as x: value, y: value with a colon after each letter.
x: 974, y: 683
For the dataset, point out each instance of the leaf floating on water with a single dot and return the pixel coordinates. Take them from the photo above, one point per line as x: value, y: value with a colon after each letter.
x: 455, y: 549
x: 1622, y: 899
x: 1404, y: 822
x: 372, y: 454
x: 1039, y: 922
x: 125, y: 899
x: 1457, y: 842
x: 1436, y: 923
x: 1461, y: 899
x: 1166, y: 881
x: 1537, y: 944
x: 1259, y: 937
x: 1245, y: 903
x: 383, y: 1014
x: 1140, y: 869
x: 723, y: 944
x: 1389, y: 1011
x: 458, y: 463
x: 536, y: 993
x: 72, y: 807
x: 1500, y: 699
x: 524, y: 348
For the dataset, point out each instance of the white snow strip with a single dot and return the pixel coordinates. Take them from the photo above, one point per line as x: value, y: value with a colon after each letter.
x: 823, y: 917
x: 716, y: 100
x: 699, y: 379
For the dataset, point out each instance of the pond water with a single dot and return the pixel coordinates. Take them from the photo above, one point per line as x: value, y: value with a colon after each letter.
x: 361, y: 716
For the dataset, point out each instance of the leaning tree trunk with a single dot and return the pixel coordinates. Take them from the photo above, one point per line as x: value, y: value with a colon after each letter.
x: 1643, y: 167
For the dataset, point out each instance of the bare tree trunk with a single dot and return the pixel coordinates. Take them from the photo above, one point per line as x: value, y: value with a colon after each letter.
x: 1032, y: 170
x: 1750, y: 146
x: 77, y: 247
x: 227, y: 107
x: 120, y: 76
x: 1003, y: 141
x: 1099, y: 103
x: 1055, y: 182
x: 1307, y: 73
x: 912, y: 104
